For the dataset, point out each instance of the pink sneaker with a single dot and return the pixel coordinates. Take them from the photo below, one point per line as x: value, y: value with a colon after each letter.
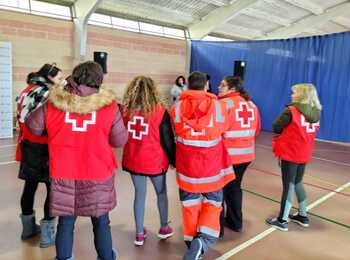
x: 165, y: 232
x: 140, y: 238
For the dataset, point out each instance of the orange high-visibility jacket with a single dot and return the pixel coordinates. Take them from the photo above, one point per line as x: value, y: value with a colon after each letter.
x: 202, y: 162
x: 244, y: 126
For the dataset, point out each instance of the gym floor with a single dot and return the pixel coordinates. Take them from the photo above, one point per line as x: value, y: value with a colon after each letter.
x: 327, y: 182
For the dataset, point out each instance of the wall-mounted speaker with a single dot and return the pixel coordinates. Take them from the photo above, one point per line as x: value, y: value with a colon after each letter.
x: 239, y: 69
x: 101, y: 58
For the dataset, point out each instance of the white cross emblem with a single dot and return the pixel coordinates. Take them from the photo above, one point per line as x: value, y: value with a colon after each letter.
x: 245, y: 114
x: 75, y: 128
x: 138, y: 122
x: 310, y: 127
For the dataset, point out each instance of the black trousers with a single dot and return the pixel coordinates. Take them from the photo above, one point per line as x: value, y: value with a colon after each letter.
x: 27, y: 199
x: 233, y: 199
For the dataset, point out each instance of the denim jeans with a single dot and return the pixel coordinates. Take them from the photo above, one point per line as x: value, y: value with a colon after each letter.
x: 102, y: 237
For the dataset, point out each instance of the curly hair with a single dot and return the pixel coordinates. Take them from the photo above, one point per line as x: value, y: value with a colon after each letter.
x: 141, y: 95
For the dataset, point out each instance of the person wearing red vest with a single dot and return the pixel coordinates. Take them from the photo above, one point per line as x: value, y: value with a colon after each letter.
x: 297, y: 127
x: 203, y: 166
x: 149, y: 150
x: 32, y: 153
x: 244, y: 124
x: 83, y: 124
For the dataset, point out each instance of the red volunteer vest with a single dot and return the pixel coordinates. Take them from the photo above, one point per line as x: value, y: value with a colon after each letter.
x: 295, y: 144
x: 79, y: 144
x: 202, y: 162
x: 244, y: 121
x: 143, y: 153
x: 24, y: 132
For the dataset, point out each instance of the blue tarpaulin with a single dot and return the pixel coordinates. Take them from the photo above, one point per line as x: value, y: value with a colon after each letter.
x: 273, y: 66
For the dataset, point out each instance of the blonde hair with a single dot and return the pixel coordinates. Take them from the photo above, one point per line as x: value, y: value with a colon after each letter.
x: 141, y: 95
x: 307, y: 94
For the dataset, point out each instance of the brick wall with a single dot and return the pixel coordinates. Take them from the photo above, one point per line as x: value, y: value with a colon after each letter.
x: 37, y: 40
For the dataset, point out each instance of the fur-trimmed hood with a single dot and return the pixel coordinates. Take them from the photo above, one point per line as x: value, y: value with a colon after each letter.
x: 69, y: 102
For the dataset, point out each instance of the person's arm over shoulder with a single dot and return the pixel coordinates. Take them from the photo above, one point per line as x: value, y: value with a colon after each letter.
x: 36, y: 120
x: 282, y: 121
x: 118, y: 135
x: 167, y: 138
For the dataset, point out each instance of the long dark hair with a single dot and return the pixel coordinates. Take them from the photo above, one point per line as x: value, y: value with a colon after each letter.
x: 48, y: 70
x: 237, y: 84
x: 178, y: 79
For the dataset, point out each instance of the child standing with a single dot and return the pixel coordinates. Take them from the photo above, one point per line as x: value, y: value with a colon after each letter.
x: 149, y: 150
x: 297, y: 127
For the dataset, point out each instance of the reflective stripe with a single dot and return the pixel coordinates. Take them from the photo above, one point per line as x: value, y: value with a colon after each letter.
x: 218, y: 111
x: 252, y: 104
x: 199, y: 143
x: 229, y: 103
x: 177, y: 112
x: 208, y: 231
x: 240, y: 151
x: 241, y: 133
x: 189, y: 203
x: 213, y: 202
x: 188, y: 238
x: 215, y: 178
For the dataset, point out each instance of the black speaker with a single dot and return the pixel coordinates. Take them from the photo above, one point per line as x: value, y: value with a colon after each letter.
x: 101, y: 58
x: 239, y: 68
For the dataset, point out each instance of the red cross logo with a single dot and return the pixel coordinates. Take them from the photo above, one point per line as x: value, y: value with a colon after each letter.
x: 83, y: 123
x: 310, y: 127
x: 245, y: 114
x: 137, y: 127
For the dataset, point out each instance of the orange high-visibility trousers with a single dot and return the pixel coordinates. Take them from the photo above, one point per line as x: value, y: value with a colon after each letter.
x: 201, y: 213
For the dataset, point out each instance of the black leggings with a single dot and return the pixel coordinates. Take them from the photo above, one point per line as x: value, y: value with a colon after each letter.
x: 27, y: 199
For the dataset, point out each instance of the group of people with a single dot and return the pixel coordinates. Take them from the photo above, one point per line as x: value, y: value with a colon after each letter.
x: 68, y: 129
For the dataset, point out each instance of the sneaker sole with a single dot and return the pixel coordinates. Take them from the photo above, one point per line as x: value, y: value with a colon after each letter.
x: 277, y: 227
x: 165, y: 236
x: 139, y: 243
x: 300, y: 223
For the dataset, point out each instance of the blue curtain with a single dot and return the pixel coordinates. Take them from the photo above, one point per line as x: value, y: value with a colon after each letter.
x: 273, y: 66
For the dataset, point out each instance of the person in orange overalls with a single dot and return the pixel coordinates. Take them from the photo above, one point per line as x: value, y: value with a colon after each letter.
x: 244, y: 121
x: 203, y: 166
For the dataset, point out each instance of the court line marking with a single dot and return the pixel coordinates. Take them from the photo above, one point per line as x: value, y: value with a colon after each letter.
x: 8, y: 145
x: 267, y: 232
x: 315, y: 157
x: 6, y: 163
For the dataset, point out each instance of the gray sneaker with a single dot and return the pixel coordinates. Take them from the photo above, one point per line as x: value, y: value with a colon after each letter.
x: 195, y: 251
x: 301, y: 220
x: 283, y: 226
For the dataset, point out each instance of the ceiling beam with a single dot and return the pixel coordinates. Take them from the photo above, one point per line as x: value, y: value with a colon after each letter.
x: 342, y: 21
x: 217, y: 17
x: 307, y: 5
x: 216, y: 2
x: 267, y: 16
x: 309, y: 22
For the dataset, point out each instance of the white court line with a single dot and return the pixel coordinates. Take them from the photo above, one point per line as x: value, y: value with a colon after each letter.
x: 8, y: 145
x: 9, y: 162
x: 315, y: 157
x: 272, y: 229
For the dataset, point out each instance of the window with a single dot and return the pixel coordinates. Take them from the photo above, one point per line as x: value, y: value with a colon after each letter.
x: 151, y: 28
x: 100, y: 19
x: 125, y: 24
x: 17, y: 5
x: 38, y: 8
x: 51, y: 10
x: 176, y: 33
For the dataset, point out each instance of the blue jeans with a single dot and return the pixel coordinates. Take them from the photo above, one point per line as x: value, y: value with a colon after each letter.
x: 102, y: 237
